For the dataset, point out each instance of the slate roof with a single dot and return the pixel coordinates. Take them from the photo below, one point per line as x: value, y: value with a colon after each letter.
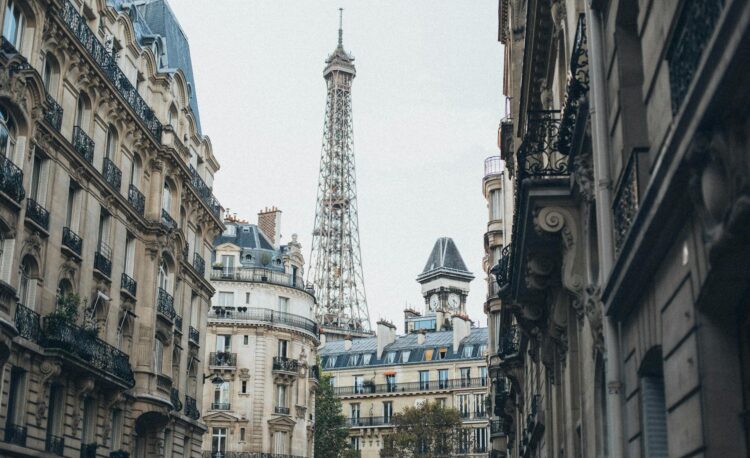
x: 253, y: 242
x: 445, y: 259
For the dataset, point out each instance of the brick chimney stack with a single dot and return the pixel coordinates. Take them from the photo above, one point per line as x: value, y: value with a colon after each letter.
x: 269, y: 222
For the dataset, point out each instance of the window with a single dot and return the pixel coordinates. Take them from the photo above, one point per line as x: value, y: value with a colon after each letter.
x: 158, y: 356
x: 221, y: 396
x: 463, y: 405
x: 653, y: 405
x: 13, y: 24
x: 496, y: 208
x: 281, y: 396
x: 424, y: 380
x: 129, y: 255
x: 247, y: 298
x: 440, y: 402
x: 16, y: 399
x: 226, y: 299
x: 443, y: 379
x: 36, y: 177
x: 442, y: 353
x: 332, y: 381
x: 483, y: 376
x: 71, y: 211
x: 103, y: 237
x: 280, y: 443
x: 387, y: 411
x: 111, y: 145
x: 242, y: 434
x: 354, y: 360
x: 282, y: 348
x: 27, y: 284
x: 224, y: 343
x: 166, y: 199
x: 390, y: 381
x: 284, y: 304
x: 354, y: 411
x: 480, y: 440
x: 219, y: 440
x: 479, y: 405
x: 245, y: 340
x: 468, y: 351
x: 88, y: 435
x: 48, y: 72
x: 135, y: 172
x: 55, y: 413
x: 163, y: 279
x: 81, y: 111
x: 228, y: 262
x: 465, y: 376
x: 405, y: 356
x: 428, y: 354
x: 243, y: 390
x: 359, y: 384
x: 330, y: 362
x: 117, y: 423
x: 355, y: 443
x: 7, y: 135
x: 366, y: 358
x: 390, y: 357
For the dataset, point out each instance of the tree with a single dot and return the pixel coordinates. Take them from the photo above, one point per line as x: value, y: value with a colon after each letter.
x: 426, y: 431
x: 331, y: 433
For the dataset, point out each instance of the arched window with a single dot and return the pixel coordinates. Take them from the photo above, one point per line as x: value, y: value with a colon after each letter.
x: 135, y: 171
x: 163, y: 279
x: 82, y: 107
x: 111, y: 145
x: 27, y: 282
x: 172, y: 116
x: 7, y: 134
x: 51, y: 72
x: 166, y: 198
x: 13, y: 24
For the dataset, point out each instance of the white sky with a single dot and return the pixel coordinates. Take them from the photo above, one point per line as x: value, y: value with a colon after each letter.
x: 427, y: 101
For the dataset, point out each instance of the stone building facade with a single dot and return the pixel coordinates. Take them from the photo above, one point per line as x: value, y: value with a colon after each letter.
x: 261, y: 349
x: 106, y: 215
x: 619, y: 317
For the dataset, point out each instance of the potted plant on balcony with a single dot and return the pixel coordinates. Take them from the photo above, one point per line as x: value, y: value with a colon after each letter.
x: 218, y: 265
x: 265, y: 259
x: 66, y: 310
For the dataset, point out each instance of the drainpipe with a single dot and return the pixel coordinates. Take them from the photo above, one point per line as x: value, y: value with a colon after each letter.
x: 602, y: 179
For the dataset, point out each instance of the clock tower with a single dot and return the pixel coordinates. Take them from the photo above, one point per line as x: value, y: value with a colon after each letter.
x: 445, y: 280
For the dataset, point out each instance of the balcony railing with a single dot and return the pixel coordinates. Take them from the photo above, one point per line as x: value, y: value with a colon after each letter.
x: 103, y: 264
x: 15, y: 434
x: 168, y: 221
x: 107, y: 63
x: 502, y: 270
x: 220, y: 406
x: 627, y: 199
x: 112, y: 174
x: 576, y: 91
x: 165, y: 304
x: 285, y: 364
x: 87, y: 349
x: 539, y: 155
x: 83, y: 144
x: 224, y: 454
x: 28, y: 323
x: 89, y: 450
x: 72, y: 241
x: 511, y: 342
x: 493, y: 165
x: 128, y: 284
x: 11, y: 179
x: 54, y: 444
x: 314, y: 372
x: 194, y: 336
x: 54, y: 114
x: 38, y: 214
x: 137, y: 199
x: 174, y: 397
x: 473, y: 415
x: 264, y: 316
x: 222, y: 359
x: 191, y: 410
x: 204, y: 192
x: 372, y: 388
x: 258, y: 275
x: 281, y: 410
x: 360, y: 422
x: 499, y: 426
x: 119, y: 454
x: 199, y: 264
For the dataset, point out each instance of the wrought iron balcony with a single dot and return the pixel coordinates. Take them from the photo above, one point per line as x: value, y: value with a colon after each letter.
x: 54, y: 114
x: 174, y: 397
x: 83, y: 144
x: 502, y: 270
x: 194, y: 336
x: 15, y: 434
x: 165, y: 304
x: 72, y: 241
x: 11, y: 179
x: 283, y: 364
x: 281, y: 410
x: 499, y: 426
x: 112, y: 174
x: 407, y: 387
x: 363, y: 422
x: 264, y: 316
x: 128, y: 285
x: 539, y: 156
x: 137, y: 199
x: 178, y: 323
x: 191, y: 411
x: 576, y: 93
x: 38, y: 214
x: 214, y: 206
x: 204, y: 192
x: 199, y: 264
x: 86, y: 349
x: 695, y: 27
x: 220, y: 406
x: 54, y: 444
x: 493, y: 165
x: 510, y: 344
x: 627, y: 199
x: 168, y: 221
x: 89, y: 450
x: 258, y: 275
x: 28, y: 323
x: 102, y: 263
x: 222, y: 359
x: 108, y: 65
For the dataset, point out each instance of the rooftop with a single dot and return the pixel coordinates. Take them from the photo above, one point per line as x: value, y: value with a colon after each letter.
x: 446, y: 260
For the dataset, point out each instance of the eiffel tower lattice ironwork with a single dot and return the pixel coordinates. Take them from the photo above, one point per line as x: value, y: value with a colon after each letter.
x: 336, y: 261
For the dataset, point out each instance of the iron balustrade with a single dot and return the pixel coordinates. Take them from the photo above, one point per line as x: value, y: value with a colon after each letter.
x: 128, y: 284
x: 281, y: 410
x: 627, y: 200
x: 15, y: 434
x: 54, y: 114
x: 220, y: 406
x: 89, y: 450
x: 510, y: 343
x: 264, y: 316
x: 258, y: 275
x: 499, y: 426
x: 72, y: 241
x: 359, y: 422
x: 54, y: 444
x: 283, y: 364
x: 194, y: 335
x: 473, y: 415
x: 178, y: 323
x: 502, y: 270
x: 199, y: 264
x: 108, y: 65
x: 577, y: 89
x: 539, y: 156
x: 112, y: 174
x: 165, y: 304
x: 11, y: 179
x: 38, y: 214
x: 222, y: 359
x: 137, y: 199
x: 28, y: 323
x: 372, y: 388
x: 174, y: 397
x: 204, y: 192
x: 87, y: 349
x: 695, y: 27
x: 103, y: 264
x: 83, y: 144
x: 167, y: 220
x: 191, y: 410
x: 493, y: 165
x: 119, y: 454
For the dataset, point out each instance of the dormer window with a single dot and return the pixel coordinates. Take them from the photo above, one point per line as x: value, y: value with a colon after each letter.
x: 405, y: 356
x: 467, y: 351
x: 230, y: 231
x: 390, y: 357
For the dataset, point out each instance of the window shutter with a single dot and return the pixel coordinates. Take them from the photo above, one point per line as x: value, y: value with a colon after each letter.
x: 31, y: 294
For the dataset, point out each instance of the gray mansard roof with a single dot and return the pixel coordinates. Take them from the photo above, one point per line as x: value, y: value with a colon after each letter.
x: 254, y: 245
x: 446, y: 260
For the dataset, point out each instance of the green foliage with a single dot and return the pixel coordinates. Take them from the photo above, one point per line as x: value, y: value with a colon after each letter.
x: 67, y: 308
x: 331, y: 433
x: 427, y: 431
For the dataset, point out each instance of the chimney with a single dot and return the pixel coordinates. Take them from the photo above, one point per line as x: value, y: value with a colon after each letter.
x: 420, y: 337
x: 386, y: 336
x: 461, y: 329
x: 439, y: 320
x: 269, y: 222
x: 322, y: 339
x: 348, y: 342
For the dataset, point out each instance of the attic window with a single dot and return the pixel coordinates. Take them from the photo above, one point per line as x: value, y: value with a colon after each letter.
x: 354, y: 360
x: 405, y: 356
x: 366, y: 358
x: 428, y: 355
x: 330, y: 362
x: 230, y: 231
x: 246, y: 229
x: 248, y: 257
x: 390, y: 357
x: 467, y: 351
x: 442, y: 353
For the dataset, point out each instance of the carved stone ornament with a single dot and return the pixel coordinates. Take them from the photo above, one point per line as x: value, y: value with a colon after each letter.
x: 49, y: 370
x: 592, y: 305
x: 564, y: 220
x: 84, y: 388
x: 584, y: 175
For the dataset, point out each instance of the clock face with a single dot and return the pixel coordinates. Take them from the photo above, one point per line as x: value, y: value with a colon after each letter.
x: 454, y: 300
x: 434, y: 299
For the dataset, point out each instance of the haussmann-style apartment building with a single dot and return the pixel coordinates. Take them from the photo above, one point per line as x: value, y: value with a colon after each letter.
x: 441, y: 358
x: 617, y: 246
x: 106, y: 216
x: 261, y: 348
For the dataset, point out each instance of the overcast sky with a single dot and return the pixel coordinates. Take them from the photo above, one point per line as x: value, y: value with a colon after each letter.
x: 426, y: 101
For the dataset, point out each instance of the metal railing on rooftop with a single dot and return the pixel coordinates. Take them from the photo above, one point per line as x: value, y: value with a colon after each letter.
x: 258, y: 275
x: 493, y: 165
x: 265, y: 316
x: 432, y: 385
